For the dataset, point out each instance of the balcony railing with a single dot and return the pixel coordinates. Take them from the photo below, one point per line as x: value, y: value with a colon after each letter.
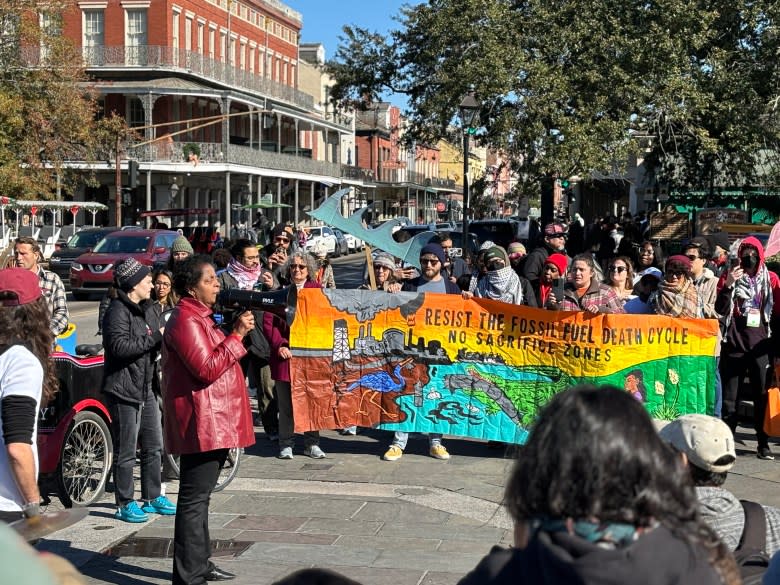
x: 182, y: 60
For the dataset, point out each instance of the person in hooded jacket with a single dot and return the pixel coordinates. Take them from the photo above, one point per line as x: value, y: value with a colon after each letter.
x: 501, y: 282
x: 132, y: 337
x: 599, y: 529
x: 748, y: 299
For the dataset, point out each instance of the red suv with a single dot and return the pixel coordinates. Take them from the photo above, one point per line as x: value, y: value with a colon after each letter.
x: 94, y: 271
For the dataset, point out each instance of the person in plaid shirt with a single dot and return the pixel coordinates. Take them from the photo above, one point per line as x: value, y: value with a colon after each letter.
x: 585, y: 293
x: 27, y: 254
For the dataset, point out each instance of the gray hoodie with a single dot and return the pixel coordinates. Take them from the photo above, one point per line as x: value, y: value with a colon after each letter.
x: 722, y: 511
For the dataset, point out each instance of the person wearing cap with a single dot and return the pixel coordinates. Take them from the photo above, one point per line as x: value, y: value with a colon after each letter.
x: 748, y: 299
x: 274, y: 255
x: 28, y: 255
x: 517, y: 254
x: 181, y: 249
x: 554, y: 271
x: 384, y: 274
x: 554, y: 241
x: 27, y: 382
x: 706, y: 445
x: 584, y: 292
x: 677, y: 295
x: 719, y: 251
x: 501, y: 282
x: 430, y: 281
x: 643, y: 290
x: 132, y: 337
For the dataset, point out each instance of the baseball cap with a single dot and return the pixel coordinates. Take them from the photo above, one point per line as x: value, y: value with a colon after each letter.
x: 707, y: 441
x: 18, y: 286
x: 652, y: 271
x: 555, y: 229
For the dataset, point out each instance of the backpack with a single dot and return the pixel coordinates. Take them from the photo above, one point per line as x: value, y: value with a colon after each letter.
x: 751, y: 555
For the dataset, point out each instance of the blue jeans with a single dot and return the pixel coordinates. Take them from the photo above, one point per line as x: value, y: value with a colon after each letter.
x: 133, y: 425
x: 400, y: 439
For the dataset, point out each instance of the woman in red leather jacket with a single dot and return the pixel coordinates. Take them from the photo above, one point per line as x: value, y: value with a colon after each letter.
x: 206, y: 410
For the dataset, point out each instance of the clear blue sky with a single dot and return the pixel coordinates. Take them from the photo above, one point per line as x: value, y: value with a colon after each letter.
x: 323, y: 20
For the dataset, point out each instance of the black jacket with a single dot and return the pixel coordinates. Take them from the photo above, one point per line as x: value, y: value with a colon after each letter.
x: 131, y: 339
x: 656, y: 558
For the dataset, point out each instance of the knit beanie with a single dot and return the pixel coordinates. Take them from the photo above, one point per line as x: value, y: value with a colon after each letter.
x: 129, y: 272
x: 182, y: 244
x: 559, y: 261
x: 515, y: 250
x: 678, y: 262
x: 496, y: 253
x: 384, y: 259
x: 434, y: 249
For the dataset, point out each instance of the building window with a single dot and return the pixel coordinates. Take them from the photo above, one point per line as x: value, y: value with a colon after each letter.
x: 242, y: 56
x: 175, y: 37
x: 232, y: 52
x: 94, y: 29
x: 135, y: 113
x: 135, y: 36
x: 201, y: 26
x: 222, y: 45
x: 51, y: 26
x: 212, y: 42
x: 188, y: 34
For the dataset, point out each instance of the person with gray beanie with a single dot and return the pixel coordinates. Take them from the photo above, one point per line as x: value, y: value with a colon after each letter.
x: 132, y: 338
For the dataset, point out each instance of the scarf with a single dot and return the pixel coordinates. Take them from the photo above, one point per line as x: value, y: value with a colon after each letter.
x: 501, y: 285
x: 674, y: 301
x: 751, y: 292
x: 245, y: 277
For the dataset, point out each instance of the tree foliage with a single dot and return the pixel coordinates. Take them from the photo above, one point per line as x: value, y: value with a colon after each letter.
x: 575, y: 87
x: 47, y: 118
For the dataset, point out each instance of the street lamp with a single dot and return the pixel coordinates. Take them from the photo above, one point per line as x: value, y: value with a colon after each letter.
x: 469, y: 114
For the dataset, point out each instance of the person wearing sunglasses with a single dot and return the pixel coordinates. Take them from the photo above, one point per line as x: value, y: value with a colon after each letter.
x: 620, y: 278
x: 432, y: 259
x: 274, y: 255
x: 677, y: 295
x: 698, y: 252
x: 300, y: 270
x: 749, y: 299
x: 584, y: 291
x: 554, y: 241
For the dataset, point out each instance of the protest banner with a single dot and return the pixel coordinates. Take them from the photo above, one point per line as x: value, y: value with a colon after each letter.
x: 481, y: 368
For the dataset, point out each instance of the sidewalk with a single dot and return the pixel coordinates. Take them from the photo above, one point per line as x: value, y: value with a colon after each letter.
x: 414, y: 521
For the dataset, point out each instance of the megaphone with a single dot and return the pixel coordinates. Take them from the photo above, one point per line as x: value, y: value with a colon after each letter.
x: 281, y: 303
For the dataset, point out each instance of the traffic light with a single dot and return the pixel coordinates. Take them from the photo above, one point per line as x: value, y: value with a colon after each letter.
x: 127, y: 196
x: 565, y: 183
x: 132, y: 173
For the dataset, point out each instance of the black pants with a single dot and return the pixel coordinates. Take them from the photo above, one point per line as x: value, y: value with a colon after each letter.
x: 198, y: 473
x: 135, y: 424
x: 732, y: 370
x: 260, y: 375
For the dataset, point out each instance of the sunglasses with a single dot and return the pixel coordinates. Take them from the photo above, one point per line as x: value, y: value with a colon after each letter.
x: 281, y: 239
x: 692, y: 257
x: 429, y: 261
x: 163, y: 284
x: 675, y: 273
x: 618, y: 269
x: 298, y: 266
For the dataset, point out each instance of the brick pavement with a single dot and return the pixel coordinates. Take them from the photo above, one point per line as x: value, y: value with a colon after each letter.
x: 415, y: 521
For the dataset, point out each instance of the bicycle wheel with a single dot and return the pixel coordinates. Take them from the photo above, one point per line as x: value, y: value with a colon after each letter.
x: 229, y: 470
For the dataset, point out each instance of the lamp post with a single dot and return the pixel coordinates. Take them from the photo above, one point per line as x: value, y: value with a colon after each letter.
x: 468, y: 110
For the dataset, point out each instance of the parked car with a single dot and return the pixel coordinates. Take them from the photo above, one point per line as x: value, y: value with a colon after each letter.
x: 341, y: 242
x: 353, y: 244
x: 82, y: 241
x: 93, y: 271
x: 326, y: 235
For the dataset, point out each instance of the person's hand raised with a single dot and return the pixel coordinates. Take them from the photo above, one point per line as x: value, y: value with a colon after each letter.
x: 244, y: 324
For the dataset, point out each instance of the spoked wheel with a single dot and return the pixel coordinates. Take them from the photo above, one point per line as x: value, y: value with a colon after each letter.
x: 229, y: 470
x: 85, y: 461
x: 226, y: 474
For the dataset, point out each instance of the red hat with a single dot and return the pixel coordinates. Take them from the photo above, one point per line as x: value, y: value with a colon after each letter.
x: 18, y: 286
x: 560, y: 261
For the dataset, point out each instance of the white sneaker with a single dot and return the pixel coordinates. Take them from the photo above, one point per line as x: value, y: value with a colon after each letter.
x: 314, y: 452
x: 286, y: 453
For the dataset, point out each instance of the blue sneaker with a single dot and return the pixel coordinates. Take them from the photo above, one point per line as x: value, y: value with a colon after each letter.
x: 160, y: 505
x: 130, y: 512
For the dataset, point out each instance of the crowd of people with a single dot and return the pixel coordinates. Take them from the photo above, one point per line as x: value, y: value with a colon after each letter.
x: 167, y: 338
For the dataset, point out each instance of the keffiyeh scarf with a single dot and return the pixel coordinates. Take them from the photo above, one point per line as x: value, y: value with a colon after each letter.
x: 501, y: 285
x: 751, y: 292
x: 245, y: 277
